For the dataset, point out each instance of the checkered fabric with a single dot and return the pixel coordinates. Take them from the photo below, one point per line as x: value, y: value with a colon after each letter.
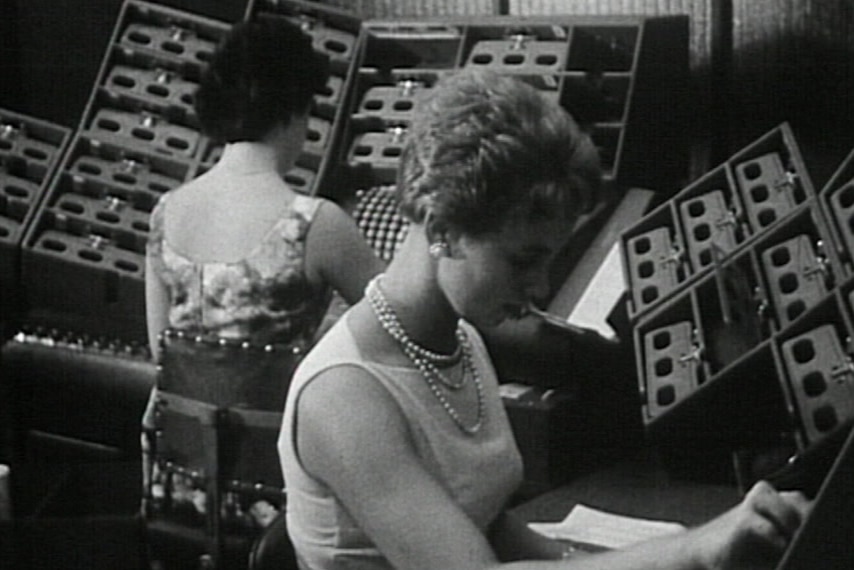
x: 377, y: 217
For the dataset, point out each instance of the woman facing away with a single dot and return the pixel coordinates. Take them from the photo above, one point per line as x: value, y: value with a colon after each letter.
x: 236, y: 253
x: 395, y: 446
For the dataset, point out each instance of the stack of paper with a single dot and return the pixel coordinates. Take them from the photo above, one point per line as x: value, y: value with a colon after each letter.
x: 585, y: 525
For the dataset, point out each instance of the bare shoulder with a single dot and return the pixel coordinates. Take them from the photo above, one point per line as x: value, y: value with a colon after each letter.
x: 331, y: 230
x: 338, y: 253
x: 338, y: 412
x: 346, y: 390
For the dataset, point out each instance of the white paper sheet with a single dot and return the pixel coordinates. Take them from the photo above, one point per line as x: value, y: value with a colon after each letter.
x: 600, y: 296
x: 591, y: 526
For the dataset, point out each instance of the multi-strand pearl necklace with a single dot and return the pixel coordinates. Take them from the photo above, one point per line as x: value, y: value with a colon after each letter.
x: 426, y: 361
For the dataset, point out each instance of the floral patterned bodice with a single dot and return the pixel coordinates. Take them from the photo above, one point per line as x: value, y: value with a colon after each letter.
x: 265, y: 298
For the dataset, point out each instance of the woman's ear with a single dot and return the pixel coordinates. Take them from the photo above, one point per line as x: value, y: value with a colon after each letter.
x: 434, y: 229
x: 442, y: 239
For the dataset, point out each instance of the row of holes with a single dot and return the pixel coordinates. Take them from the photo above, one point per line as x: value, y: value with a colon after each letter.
x: 646, y: 269
x: 121, y: 177
x: 144, y: 134
x: 363, y: 150
x: 701, y: 233
x: 760, y: 194
x: 159, y: 90
x: 28, y: 151
x: 400, y: 106
x: 788, y: 284
x: 814, y: 385
x: 697, y: 208
x: 845, y: 198
x: 515, y: 59
x: 333, y: 46
x: 174, y: 47
x: 768, y: 215
x: 14, y: 202
x: 666, y: 394
x: 615, y: 103
x: 13, y: 194
x: 107, y: 217
x: 90, y: 255
x: 803, y: 351
x: 156, y: 89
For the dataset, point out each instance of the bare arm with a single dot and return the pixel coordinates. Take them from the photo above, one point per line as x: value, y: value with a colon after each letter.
x: 337, y: 253
x: 407, y: 513
x: 753, y: 534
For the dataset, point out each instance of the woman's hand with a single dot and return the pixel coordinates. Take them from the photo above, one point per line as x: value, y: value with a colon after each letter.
x: 754, y: 533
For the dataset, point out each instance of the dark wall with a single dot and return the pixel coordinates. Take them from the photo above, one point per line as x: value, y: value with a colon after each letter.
x: 52, y: 50
x: 61, y: 48
x: 10, y: 70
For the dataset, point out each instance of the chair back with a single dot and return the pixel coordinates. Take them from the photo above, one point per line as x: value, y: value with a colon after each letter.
x: 273, y: 550
x: 227, y: 373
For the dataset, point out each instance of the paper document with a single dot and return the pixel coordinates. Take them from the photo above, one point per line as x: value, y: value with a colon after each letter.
x: 600, y: 296
x: 514, y: 390
x: 586, y: 525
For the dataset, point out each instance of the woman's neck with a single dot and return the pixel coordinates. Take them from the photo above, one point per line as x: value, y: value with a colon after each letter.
x: 276, y: 152
x: 410, y: 286
x: 245, y: 157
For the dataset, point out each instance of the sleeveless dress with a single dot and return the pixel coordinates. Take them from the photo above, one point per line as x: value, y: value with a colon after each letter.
x: 480, y: 471
x: 264, y: 299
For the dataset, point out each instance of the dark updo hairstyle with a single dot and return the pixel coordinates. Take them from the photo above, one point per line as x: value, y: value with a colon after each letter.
x: 486, y: 147
x: 264, y: 72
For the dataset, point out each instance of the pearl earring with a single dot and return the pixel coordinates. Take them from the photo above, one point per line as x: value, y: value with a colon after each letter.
x: 439, y: 249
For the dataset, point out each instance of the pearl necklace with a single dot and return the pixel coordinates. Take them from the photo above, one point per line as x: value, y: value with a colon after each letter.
x: 398, y: 333
x: 391, y: 323
x: 420, y: 357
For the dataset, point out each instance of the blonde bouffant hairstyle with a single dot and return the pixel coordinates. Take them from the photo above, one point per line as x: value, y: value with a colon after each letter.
x: 484, y: 147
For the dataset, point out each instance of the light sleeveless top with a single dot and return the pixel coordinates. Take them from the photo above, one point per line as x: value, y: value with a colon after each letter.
x: 479, y: 471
